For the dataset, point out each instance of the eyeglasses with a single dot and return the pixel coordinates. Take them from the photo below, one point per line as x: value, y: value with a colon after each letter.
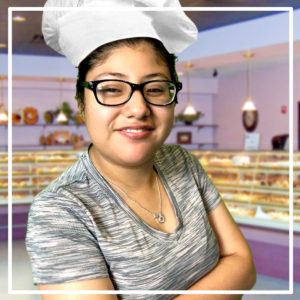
x: 113, y: 92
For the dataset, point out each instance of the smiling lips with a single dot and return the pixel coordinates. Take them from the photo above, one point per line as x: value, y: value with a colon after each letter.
x: 135, y: 132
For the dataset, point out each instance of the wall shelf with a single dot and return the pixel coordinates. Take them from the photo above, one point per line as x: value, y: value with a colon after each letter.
x: 199, y: 126
x: 205, y: 144
x: 194, y: 144
x: 37, y: 147
x: 41, y: 125
x: 193, y: 129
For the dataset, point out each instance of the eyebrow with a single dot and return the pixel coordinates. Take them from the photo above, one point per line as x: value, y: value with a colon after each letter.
x: 114, y: 74
x: 150, y: 76
x: 123, y: 76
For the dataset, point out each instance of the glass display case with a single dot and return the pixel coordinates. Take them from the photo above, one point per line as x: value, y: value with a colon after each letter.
x: 255, y: 185
x: 31, y: 172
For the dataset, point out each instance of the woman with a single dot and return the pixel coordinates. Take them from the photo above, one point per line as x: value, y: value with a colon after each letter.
x: 133, y: 213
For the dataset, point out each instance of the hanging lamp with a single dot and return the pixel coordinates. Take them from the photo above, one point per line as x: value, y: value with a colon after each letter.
x: 250, y: 113
x: 189, y: 114
x: 61, y: 117
x: 3, y: 112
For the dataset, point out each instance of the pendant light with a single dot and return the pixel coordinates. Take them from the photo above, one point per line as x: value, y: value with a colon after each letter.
x: 249, y: 105
x: 249, y: 111
x: 3, y: 112
x: 61, y: 117
x: 189, y: 113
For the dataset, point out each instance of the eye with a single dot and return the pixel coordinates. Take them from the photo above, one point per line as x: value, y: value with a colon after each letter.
x: 110, y: 89
x: 155, y: 89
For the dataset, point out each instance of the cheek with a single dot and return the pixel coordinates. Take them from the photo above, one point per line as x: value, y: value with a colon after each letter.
x: 97, y: 116
x: 168, y: 115
x: 165, y: 117
x: 171, y: 122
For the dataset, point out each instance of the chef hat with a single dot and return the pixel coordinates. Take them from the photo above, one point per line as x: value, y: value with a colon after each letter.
x: 76, y: 33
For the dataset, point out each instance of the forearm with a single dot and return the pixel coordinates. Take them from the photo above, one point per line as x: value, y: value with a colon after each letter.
x: 232, y: 272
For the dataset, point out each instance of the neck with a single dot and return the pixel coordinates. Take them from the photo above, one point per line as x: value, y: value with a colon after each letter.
x: 130, y: 178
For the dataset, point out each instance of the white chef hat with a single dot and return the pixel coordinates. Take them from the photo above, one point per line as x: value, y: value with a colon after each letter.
x: 76, y: 33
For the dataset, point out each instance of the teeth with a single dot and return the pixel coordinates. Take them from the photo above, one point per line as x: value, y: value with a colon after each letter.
x: 134, y: 130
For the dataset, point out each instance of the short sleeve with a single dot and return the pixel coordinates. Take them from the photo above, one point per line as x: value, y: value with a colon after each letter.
x: 61, y: 243
x: 209, y: 193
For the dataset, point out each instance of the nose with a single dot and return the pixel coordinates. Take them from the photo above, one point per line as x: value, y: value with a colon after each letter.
x: 136, y: 107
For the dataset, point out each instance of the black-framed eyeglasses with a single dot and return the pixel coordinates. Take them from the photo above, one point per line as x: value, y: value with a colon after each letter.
x: 114, y: 92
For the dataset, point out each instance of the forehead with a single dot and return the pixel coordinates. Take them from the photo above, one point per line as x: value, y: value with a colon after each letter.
x: 139, y: 59
x: 143, y: 49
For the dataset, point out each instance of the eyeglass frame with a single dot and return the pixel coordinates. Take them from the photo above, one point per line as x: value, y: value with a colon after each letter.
x: 134, y: 86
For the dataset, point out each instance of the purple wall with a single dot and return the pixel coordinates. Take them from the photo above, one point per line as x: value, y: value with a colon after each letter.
x: 269, y: 90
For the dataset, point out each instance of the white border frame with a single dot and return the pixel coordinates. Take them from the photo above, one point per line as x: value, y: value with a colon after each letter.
x: 251, y: 292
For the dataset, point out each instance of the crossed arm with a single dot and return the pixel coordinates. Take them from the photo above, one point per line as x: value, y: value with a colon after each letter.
x: 234, y: 271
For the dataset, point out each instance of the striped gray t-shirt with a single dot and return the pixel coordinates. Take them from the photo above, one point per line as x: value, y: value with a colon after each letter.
x: 79, y: 229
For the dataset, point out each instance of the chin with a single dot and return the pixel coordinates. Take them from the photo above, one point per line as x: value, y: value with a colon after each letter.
x: 136, y: 160
x: 137, y: 157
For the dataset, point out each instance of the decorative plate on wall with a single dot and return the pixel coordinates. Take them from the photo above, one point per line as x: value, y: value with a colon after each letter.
x: 250, y: 119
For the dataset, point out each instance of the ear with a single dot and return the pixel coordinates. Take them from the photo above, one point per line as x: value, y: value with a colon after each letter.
x: 81, y: 110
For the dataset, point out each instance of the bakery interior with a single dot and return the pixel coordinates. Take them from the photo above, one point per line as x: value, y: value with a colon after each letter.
x: 238, y: 112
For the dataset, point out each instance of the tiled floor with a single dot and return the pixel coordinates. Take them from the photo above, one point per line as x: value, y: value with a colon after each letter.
x: 22, y: 278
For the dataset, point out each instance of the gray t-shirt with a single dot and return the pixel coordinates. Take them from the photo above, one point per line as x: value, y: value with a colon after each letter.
x: 79, y: 229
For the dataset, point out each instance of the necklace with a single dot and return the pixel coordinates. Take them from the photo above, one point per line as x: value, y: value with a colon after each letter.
x: 159, y: 216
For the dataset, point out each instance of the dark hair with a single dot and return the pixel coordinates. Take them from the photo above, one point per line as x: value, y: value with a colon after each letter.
x: 100, y: 54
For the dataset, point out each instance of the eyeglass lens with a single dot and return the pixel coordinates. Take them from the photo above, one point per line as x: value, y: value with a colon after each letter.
x: 116, y: 92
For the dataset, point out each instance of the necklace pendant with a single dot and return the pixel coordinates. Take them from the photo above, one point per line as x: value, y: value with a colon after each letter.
x: 161, y: 218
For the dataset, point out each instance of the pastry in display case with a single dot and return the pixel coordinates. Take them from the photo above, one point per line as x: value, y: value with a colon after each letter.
x: 255, y: 185
x: 31, y: 172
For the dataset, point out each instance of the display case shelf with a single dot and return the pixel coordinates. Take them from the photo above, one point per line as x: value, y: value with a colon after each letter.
x: 265, y: 190
x: 253, y: 168
x: 265, y: 223
x: 32, y: 175
x: 17, y: 201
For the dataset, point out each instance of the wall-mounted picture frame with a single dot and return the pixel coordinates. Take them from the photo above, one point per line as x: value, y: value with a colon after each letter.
x: 184, y: 137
